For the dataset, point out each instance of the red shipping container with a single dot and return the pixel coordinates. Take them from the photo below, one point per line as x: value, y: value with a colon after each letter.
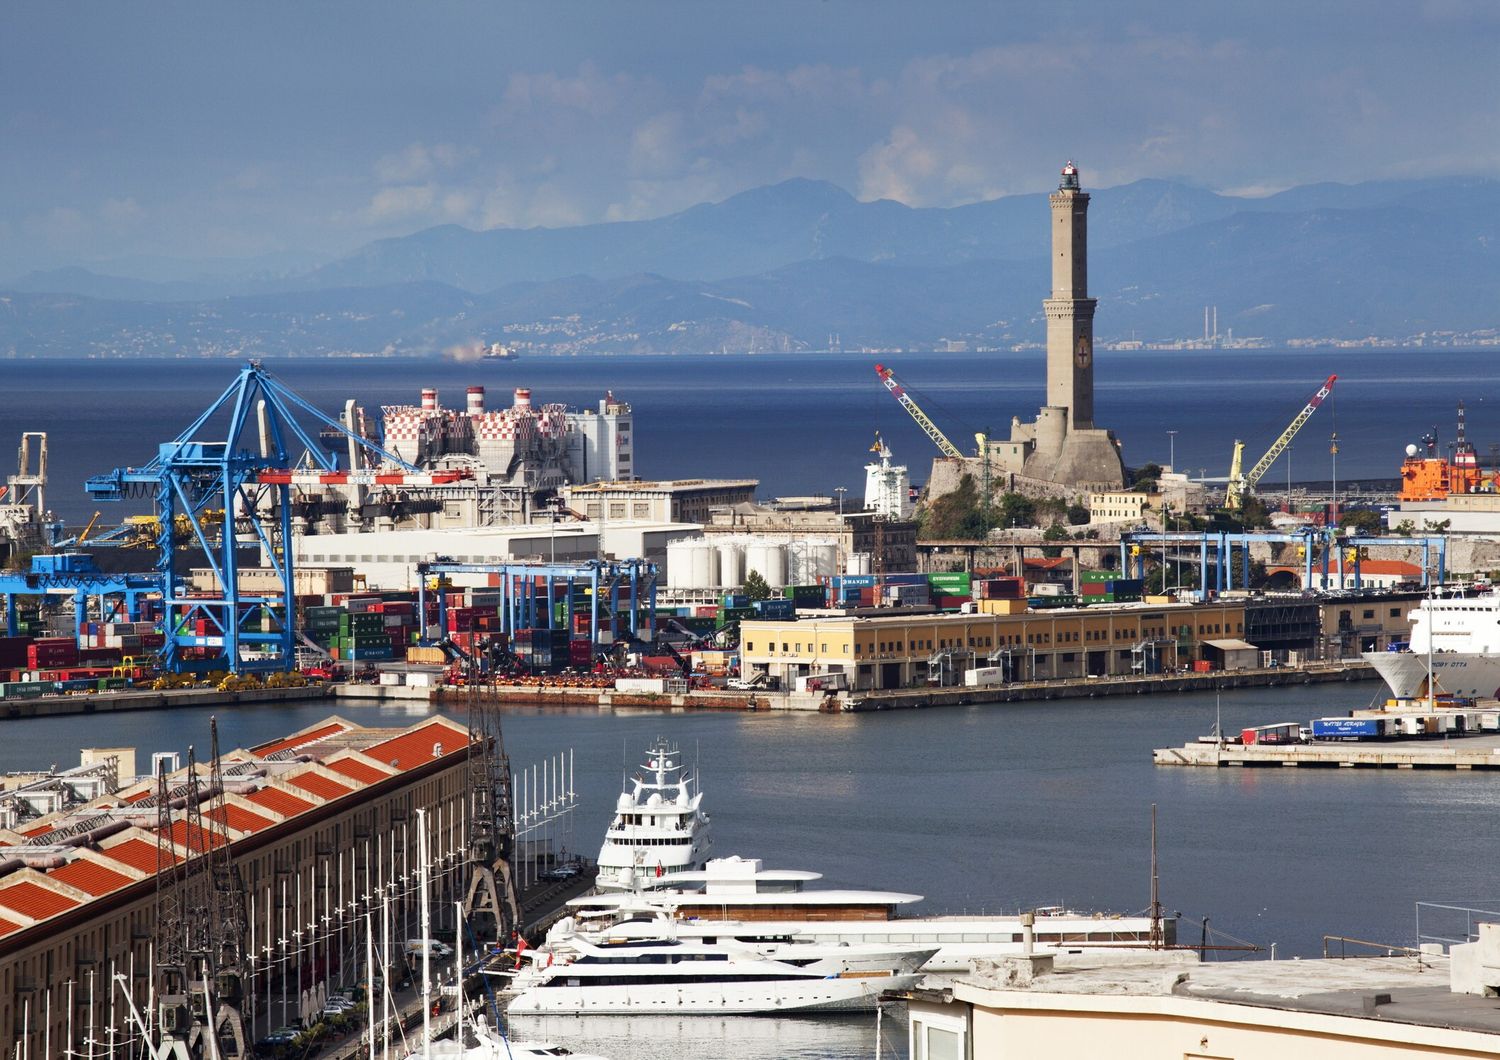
x: 1202, y: 666
x: 867, y: 596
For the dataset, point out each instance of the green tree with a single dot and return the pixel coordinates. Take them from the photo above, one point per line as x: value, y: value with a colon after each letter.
x: 1360, y: 521
x: 1054, y: 532
x: 1017, y: 510
x: 755, y: 586
x: 1405, y: 528
x: 956, y: 516
x: 1146, y: 478
x: 1078, y: 515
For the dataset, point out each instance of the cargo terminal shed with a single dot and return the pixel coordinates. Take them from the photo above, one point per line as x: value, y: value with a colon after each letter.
x: 320, y: 824
x: 871, y: 651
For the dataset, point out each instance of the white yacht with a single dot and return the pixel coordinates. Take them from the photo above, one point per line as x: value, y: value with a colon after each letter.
x: 736, y: 898
x: 1458, y: 638
x: 579, y: 973
x: 659, y: 827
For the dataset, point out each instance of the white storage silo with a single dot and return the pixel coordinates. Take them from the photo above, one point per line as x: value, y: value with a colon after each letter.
x: 822, y: 561
x: 768, y: 560
x: 679, y: 562
x: 859, y: 563
x: 731, y: 564
x: 705, y: 565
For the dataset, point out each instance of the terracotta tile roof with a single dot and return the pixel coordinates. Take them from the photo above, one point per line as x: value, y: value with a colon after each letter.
x: 87, y: 876
x: 200, y: 839
x: 34, y: 900
x: 138, y: 854
x: 282, y: 802
x: 6, y: 927
x: 298, y: 740
x: 37, y: 830
x: 360, y: 771
x: 140, y: 796
x: 238, y: 818
x: 319, y: 785
x: 413, y: 748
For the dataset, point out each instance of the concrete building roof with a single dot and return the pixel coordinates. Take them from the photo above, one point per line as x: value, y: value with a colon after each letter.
x: 679, y: 485
x: 61, y: 868
x: 1398, y: 989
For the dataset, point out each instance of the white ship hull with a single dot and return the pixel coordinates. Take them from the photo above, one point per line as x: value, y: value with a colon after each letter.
x: 857, y: 994
x: 1456, y: 673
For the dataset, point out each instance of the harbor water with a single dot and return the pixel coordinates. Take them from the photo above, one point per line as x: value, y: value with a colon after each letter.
x: 981, y: 809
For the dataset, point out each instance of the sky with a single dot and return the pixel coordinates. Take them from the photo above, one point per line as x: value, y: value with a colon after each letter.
x: 156, y: 139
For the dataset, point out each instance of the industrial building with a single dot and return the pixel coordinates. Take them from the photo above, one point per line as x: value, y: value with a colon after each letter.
x: 512, y: 458
x: 907, y: 649
x: 318, y: 826
x: 388, y: 559
x: 674, y: 501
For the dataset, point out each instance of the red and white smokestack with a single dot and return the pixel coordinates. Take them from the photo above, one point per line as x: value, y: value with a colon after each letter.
x: 429, y: 399
x: 476, y: 400
x: 523, y: 397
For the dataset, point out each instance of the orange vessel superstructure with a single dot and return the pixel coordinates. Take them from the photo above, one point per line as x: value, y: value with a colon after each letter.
x: 1432, y: 477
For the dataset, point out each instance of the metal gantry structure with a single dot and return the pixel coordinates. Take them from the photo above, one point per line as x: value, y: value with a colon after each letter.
x: 530, y: 591
x: 491, y: 904
x: 250, y: 480
x: 200, y: 970
x: 1242, y: 483
x: 1318, y: 548
x: 75, y: 574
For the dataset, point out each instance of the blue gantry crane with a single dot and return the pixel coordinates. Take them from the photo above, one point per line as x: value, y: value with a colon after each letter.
x: 251, y: 479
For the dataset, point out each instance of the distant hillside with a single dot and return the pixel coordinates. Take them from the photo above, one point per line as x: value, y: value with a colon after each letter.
x: 786, y: 266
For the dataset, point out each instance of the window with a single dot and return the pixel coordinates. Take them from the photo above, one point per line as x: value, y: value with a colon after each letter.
x: 1395, y: 612
x: 1370, y: 613
x: 617, y: 509
x: 640, y: 510
x: 749, y: 646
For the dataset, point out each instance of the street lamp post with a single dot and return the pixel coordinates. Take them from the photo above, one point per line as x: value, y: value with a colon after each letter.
x: 841, y: 490
x: 1172, y: 450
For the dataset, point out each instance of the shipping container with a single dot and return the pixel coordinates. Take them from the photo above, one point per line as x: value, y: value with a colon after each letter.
x: 1286, y: 732
x: 1348, y: 728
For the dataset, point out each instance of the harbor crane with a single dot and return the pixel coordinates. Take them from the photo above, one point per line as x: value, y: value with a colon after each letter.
x: 1242, y: 483
x: 251, y: 479
x: 915, y: 410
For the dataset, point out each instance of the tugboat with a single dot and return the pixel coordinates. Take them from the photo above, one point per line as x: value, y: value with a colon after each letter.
x: 659, y: 827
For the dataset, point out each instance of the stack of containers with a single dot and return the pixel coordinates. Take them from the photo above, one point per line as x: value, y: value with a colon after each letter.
x: 51, y: 653
x: 950, y: 589
x: 320, y: 624
x: 1103, y: 586
x: 805, y: 596
x: 851, y: 590
x: 775, y: 609
x: 362, y: 636
x: 901, y: 590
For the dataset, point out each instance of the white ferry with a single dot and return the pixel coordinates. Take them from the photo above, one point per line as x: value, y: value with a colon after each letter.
x: 659, y: 827
x: 1455, y: 638
x: 737, y: 898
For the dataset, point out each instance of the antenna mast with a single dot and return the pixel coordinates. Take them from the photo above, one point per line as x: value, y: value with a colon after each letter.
x: 1157, y: 935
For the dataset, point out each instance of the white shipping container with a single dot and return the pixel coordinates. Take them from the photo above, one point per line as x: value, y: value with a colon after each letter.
x: 982, y: 676
x: 647, y: 685
x: 392, y: 677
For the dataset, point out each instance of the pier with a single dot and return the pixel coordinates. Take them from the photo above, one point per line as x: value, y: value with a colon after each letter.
x: 1457, y: 753
x: 147, y: 699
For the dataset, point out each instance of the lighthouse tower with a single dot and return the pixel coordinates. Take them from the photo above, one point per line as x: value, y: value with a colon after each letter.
x: 1070, y: 310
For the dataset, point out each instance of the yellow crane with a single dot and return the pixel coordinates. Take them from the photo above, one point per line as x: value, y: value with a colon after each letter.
x: 1242, y: 483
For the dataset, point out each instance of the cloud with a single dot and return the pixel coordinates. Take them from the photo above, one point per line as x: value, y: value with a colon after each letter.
x: 419, y: 161
x: 401, y: 202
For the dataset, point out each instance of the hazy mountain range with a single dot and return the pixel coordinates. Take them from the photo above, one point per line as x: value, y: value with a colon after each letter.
x: 785, y: 266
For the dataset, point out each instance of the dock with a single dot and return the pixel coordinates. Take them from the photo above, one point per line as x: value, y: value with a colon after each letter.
x: 147, y: 699
x: 1463, y: 753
